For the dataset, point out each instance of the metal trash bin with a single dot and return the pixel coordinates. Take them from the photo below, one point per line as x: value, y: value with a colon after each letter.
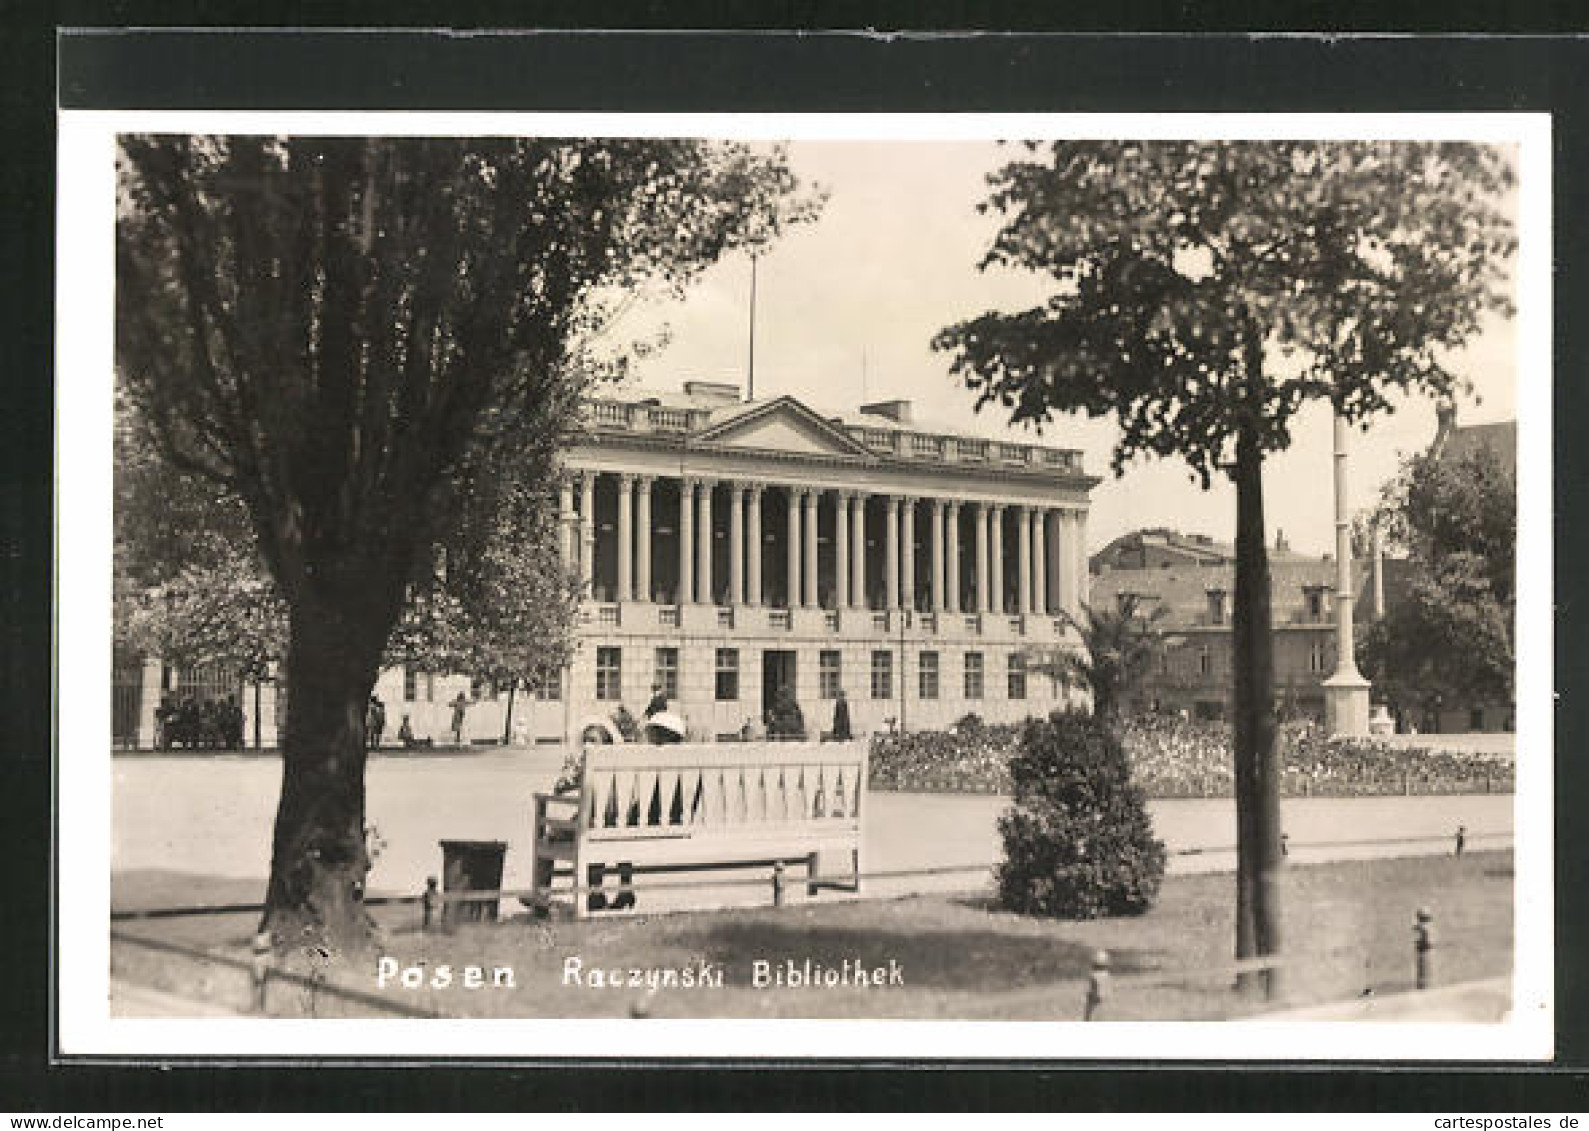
x: 471, y: 865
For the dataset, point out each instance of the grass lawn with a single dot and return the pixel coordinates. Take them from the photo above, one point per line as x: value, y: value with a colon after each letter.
x: 1347, y: 924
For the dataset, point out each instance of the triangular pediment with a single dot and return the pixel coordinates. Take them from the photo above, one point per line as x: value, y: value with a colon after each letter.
x: 783, y: 425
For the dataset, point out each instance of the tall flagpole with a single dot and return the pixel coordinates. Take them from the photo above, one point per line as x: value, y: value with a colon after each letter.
x: 750, y: 385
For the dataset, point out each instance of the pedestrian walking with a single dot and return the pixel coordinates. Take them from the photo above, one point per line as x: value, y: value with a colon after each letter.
x: 460, y: 705
x: 375, y: 722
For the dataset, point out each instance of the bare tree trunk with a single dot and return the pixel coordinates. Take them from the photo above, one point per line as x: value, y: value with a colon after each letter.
x: 318, y: 858
x: 1258, y: 855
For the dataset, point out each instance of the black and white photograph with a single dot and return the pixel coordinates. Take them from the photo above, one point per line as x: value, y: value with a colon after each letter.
x: 755, y: 584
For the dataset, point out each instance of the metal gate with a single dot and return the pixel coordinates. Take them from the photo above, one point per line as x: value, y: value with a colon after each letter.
x: 126, y: 697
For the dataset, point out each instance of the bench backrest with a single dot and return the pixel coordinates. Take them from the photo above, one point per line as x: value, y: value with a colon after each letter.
x: 699, y: 789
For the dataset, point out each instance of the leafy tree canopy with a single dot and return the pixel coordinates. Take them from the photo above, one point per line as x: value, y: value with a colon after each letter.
x: 378, y: 346
x: 1447, y: 635
x: 1178, y: 265
x: 1203, y: 292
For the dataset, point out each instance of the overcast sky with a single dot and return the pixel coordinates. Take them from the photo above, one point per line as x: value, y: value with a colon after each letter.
x: 847, y: 308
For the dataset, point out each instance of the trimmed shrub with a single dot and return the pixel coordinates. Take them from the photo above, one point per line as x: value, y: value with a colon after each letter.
x: 1078, y: 842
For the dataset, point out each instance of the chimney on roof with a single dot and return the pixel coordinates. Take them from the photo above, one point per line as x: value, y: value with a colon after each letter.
x: 897, y: 410
x: 713, y: 392
x: 1281, y: 545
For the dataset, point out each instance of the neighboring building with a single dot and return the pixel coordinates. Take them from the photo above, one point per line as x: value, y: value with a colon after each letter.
x: 730, y: 548
x: 1192, y: 671
x: 1158, y: 547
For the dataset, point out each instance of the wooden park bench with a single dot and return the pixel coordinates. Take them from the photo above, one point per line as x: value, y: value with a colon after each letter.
x: 644, y: 809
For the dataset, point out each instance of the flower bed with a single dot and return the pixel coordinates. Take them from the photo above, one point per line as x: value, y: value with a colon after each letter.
x: 1180, y: 758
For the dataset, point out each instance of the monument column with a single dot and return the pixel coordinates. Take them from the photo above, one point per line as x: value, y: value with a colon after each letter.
x: 643, y: 546
x: 1346, y: 693
x: 753, y: 562
x: 841, y: 549
x: 736, y: 543
x: 626, y: 537
x: 703, y: 536
x: 858, y: 552
x: 686, y: 592
x: 809, y: 599
x: 952, y: 558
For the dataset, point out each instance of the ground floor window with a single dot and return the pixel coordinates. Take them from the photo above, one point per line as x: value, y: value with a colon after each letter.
x: 927, y: 675
x: 882, y: 675
x: 668, y: 672
x: 830, y: 674
x: 727, y: 674
x: 973, y: 682
x: 1316, y: 656
x: 1017, y: 676
x: 609, y: 674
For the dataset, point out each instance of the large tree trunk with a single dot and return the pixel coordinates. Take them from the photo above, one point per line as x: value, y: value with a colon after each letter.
x: 318, y: 858
x: 1258, y: 857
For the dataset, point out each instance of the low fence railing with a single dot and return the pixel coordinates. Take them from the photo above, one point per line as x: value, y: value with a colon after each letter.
x: 1103, y: 983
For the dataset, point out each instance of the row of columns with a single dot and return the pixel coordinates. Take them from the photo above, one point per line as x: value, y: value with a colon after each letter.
x: 1045, y: 537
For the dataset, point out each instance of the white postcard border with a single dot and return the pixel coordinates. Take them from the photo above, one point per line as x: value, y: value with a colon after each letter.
x: 85, y: 294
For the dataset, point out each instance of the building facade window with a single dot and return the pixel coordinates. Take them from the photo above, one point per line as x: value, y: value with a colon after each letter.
x: 1017, y: 682
x: 1316, y: 656
x: 927, y: 675
x: 668, y: 672
x: 1216, y: 606
x: 548, y: 687
x: 418, y: 686
x: 882, y: 675
x: 727, y: 674
x: 1314, y: 596
x: 609, y: 674
x: 830, y: 673
x: 973, y: 681
x: 1205, y: 662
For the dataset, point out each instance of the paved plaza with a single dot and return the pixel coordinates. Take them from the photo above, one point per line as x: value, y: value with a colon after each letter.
x: 212, y: 816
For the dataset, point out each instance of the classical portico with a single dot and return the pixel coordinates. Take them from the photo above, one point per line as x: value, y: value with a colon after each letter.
x: 711, y: 524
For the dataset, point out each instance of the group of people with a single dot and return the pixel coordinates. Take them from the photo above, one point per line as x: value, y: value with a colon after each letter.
x: 375, y: 725
x: 199, y: 724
